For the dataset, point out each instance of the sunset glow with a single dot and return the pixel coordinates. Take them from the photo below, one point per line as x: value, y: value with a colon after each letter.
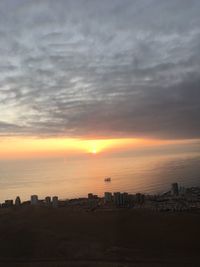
x: 28, y: 147
x: 31, y: 147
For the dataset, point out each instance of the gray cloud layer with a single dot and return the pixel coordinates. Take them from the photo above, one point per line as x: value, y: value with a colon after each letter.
x: 100, y: 68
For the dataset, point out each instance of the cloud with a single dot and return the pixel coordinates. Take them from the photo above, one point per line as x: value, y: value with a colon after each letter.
x: 100, y: 68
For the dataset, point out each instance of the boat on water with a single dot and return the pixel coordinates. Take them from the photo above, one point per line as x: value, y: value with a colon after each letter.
x: 107, y: 179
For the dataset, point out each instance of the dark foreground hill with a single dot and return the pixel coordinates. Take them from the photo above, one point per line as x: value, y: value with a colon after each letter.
x: 64, y: 237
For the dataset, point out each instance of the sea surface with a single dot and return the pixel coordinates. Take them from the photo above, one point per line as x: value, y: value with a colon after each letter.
x: 77, y: 176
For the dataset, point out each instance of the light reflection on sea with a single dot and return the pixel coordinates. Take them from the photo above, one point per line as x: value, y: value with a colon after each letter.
x: 75, y: 177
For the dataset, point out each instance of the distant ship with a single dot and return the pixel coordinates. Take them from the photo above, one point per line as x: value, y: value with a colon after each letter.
x: 108, y: 179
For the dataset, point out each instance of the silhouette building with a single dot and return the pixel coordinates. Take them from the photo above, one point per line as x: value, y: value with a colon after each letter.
x: 48, y: 201
x: 174, y: 189
x: 90, y: 195
x: 34, y: 200
x: 108, y: 197
x: 120, y: 199
x: 8, y: 203
x: 55, y: 201
x: 17, y: 201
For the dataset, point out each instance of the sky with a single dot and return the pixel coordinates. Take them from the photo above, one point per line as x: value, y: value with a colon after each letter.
x: 90, y: 69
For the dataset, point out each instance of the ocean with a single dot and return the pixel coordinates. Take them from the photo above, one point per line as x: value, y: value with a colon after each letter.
x: 71, y: 177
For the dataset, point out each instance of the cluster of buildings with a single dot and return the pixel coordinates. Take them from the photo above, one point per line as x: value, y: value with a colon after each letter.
x: 34, y: 201
x: 176, y: 199
x: 123, y: 199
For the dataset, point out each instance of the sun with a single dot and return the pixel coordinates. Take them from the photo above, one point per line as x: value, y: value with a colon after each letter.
x: 101, y: 145
x: 94, y: 151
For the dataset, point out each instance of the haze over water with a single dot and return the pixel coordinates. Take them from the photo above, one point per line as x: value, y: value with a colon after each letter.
x: 77, y: 176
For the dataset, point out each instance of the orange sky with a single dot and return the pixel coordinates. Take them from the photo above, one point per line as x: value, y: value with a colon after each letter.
x: 19, y: 147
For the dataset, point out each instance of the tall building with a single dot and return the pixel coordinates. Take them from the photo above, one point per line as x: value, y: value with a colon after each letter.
x: 90, y: 196
x: 17, y: 201
x: 48, y: 201
x: 125, y: 198
x: 34, y: 200
x: 182, y: 190
x: 174, y: 189
x: 55, y: 201
x: 107, y: 197
x: 116, y: 197
x: 121, y: 199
